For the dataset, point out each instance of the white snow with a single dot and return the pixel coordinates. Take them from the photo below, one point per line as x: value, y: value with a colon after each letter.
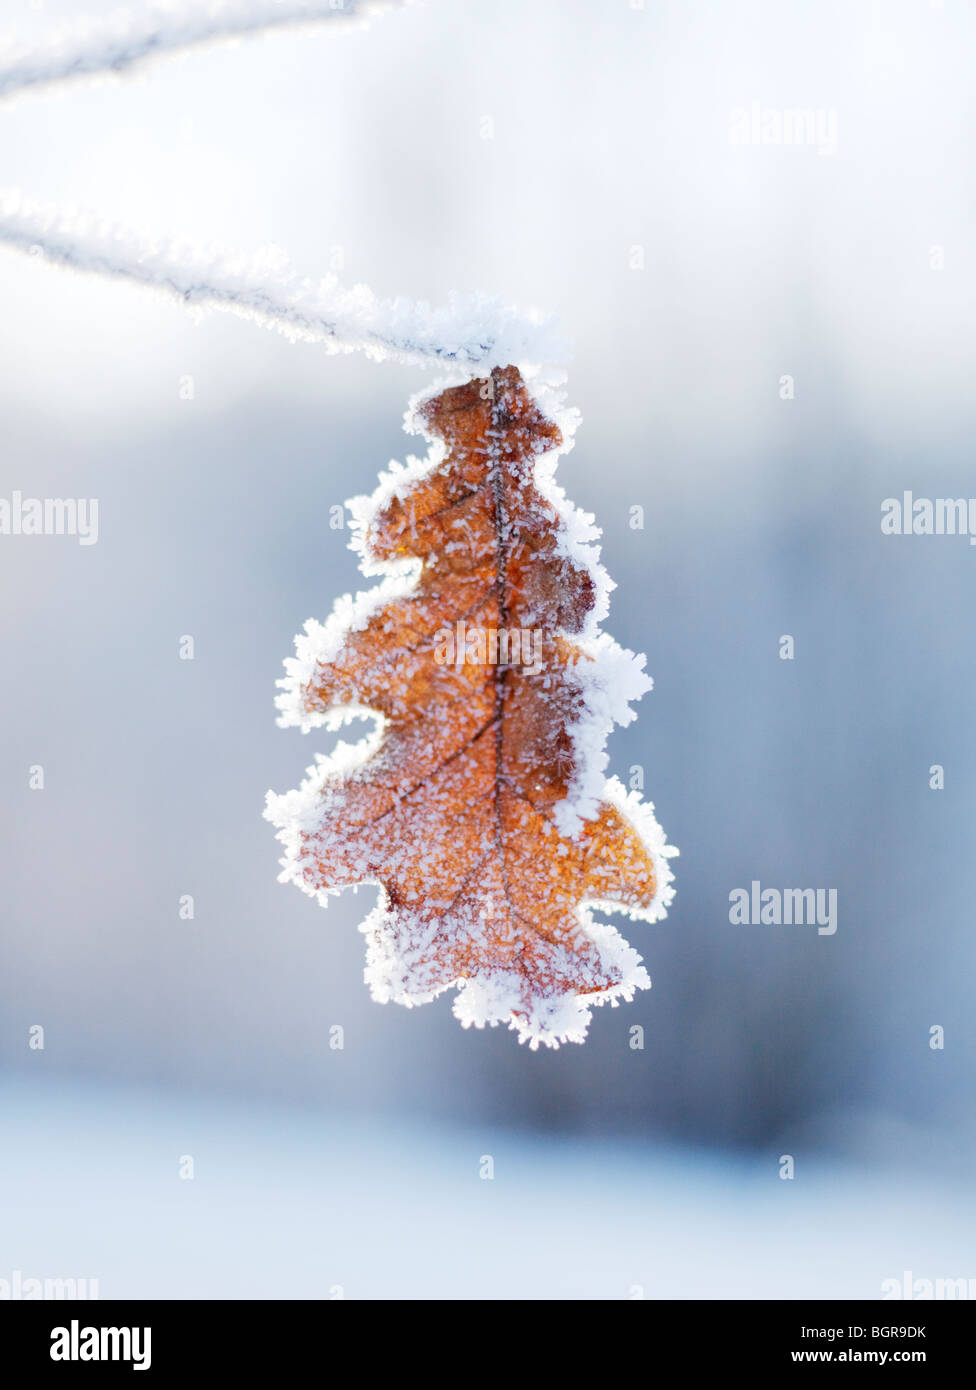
x: 324, y: 1201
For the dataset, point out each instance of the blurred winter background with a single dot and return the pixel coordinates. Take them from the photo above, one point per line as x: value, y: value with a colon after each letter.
x: 576, y: 156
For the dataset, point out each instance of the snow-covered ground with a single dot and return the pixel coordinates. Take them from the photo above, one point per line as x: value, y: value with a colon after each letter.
x: 288, y: 1204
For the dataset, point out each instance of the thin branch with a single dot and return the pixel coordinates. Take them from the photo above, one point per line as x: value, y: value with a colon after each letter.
x: 471, y: 330
x: 96, y: 49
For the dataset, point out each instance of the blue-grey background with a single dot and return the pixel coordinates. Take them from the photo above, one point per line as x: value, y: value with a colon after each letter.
x: 608, y: 148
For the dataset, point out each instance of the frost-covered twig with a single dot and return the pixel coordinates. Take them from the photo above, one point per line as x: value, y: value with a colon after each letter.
x: 470, y: 331
x: 99, y: 48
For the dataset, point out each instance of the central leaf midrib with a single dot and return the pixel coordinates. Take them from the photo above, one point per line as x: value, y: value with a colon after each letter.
x: 501, y: 673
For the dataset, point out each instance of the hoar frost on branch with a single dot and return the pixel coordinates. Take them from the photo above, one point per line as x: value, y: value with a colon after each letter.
x: 471, y: 330
x: 94, y: 49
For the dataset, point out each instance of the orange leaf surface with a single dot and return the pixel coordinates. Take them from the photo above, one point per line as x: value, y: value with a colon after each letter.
x: 479, y: 804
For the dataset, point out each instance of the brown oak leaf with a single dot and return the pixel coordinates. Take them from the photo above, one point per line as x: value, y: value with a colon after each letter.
x: 479, y: 804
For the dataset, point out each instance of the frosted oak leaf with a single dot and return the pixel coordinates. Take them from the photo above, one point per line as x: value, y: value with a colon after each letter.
x: 479, y: 804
